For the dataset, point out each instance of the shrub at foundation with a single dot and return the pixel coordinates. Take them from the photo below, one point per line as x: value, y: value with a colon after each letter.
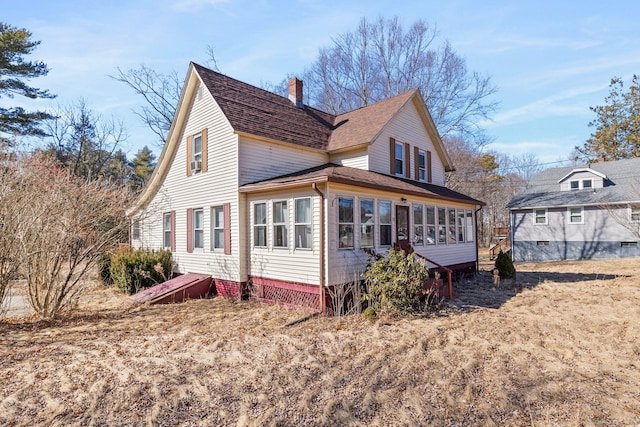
x: 134, y: 269
x: 394, y: 284
x: 505, y: 266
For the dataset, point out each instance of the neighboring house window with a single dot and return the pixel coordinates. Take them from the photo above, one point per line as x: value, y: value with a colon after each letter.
x: 587, y: 183
x: 418, y: 225
x: 442, y: 225
x: 635, y: 213
x: 367, y: 223
x: 167, y: 230
x: 345, y: 222
x: 384, y: 216
x: 451, y: 217
x: 431, y: 225
x: 460, y: 226
x: 470, y: 230
x: 399, y: 157
x: 135, y: 230
x: 303, y: 223
x: 280, y: 220
x: 540, y: 216
x: 198, y: 229
x: 575, y: 215
x: 629, y: 244
x: 217, y: 228
x: 260, y: 225
x: 422, y: 166
x: 542, y: 243
x: 574, y: 185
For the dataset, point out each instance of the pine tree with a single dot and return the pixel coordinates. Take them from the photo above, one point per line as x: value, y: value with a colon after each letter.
x: 14, y: 70
x: 617, y: 134
x: 143, y: 164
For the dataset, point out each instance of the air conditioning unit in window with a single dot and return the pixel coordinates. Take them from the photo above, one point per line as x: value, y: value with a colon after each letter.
x: 196, y: 165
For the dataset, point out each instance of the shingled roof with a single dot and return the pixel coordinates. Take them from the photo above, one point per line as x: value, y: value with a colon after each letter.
x: 331, y: 172
x: 259, y: 112
x: 622, y: 185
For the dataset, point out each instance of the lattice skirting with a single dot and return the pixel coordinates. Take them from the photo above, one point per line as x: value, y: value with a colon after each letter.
x: 297, y: 295
x: 229, y: 289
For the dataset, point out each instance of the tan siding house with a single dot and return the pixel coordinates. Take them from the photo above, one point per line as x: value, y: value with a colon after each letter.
x: 262, y: 192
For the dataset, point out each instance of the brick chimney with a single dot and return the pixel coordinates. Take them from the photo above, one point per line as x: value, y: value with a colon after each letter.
x: 295, y: 91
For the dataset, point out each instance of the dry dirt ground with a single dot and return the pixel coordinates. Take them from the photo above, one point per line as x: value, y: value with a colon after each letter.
x: 561, y: 346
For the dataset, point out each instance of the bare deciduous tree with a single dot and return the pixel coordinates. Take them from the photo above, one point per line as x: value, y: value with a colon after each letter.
x: 161, y: 93
x: 380, y: 59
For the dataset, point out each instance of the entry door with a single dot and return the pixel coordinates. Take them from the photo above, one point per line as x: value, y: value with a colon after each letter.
x: 402, y: 223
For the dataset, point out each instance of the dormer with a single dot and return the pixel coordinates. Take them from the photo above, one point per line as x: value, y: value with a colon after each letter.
x: 582, y: 179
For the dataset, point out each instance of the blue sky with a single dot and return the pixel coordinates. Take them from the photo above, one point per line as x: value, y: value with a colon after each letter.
x: 551, y: 60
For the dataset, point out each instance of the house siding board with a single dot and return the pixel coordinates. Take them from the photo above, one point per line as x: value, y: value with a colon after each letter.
x: 348, y: 264
x: 261, y: 160
x: 405, y: 127
x: 358, y: 158
x: 215, y: 187
x: 599, y: 236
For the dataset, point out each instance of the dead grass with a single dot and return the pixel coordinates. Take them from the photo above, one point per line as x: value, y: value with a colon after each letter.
x: 561, y: 346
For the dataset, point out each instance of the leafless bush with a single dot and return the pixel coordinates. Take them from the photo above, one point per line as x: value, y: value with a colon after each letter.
x: 346, y: 298
x: 59, y: 227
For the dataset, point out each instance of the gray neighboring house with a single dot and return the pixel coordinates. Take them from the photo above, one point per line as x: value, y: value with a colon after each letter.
x: 578, y: 212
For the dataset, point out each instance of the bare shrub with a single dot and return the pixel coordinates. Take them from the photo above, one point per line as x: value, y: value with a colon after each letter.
x: 63, y: 226
x: 346, y: 298
x: 9, y: 214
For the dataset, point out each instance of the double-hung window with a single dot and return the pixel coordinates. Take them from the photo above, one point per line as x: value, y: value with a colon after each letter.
x: 470, y: 229
x: 399, y: 158
x: 280, y: 220
x: 422, y: 166
x: 345, y: 222
x: 198, y: 229
x: 540, y: 216
x: 217, y: 227
x: 196, y: 154
x: 451, y: 218
x: 166, y: 230
x: 303, y: 223
x: 384, y: 216
x: 418, y: 226
x: 367, y: 223
x: 575, y: 215
x: 460, y: 226
x: 442, y: 225
x: 260, y: 225
x: 431, y: 225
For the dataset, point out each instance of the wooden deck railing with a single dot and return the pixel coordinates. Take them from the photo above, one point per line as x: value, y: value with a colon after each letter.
x: 503, y: 245
x: 442, y: 267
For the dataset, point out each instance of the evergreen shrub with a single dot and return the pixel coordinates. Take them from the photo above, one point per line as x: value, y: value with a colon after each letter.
x: 132, y: 270
x: 505, y: 266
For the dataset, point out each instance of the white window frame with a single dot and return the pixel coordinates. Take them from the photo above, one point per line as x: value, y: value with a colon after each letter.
x: 545, y: 216
x: 460, y: 226
x: 418, y: 226
x: 422, y: 166
x: 441, y: 227
x: 280, y: 224
x: 385, y: 223
x: 401, y: 159
x: 590, y: 181
x: 198, y: 230
x: 470, y: 233
x: 344, y: 242
x: 217, y: 228
x: 634, y: 213
x: 166, y: 228
x: 430, y: 224
x: 367, y: 222
x: 577, y: 183
x: 196, y: 155
x: 260, y: 228
x: 303, y: 225
x: 570, y: 215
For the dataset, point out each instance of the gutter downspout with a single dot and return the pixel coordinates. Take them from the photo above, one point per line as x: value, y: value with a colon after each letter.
x: 322, y: 242
x: 477, y: 241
